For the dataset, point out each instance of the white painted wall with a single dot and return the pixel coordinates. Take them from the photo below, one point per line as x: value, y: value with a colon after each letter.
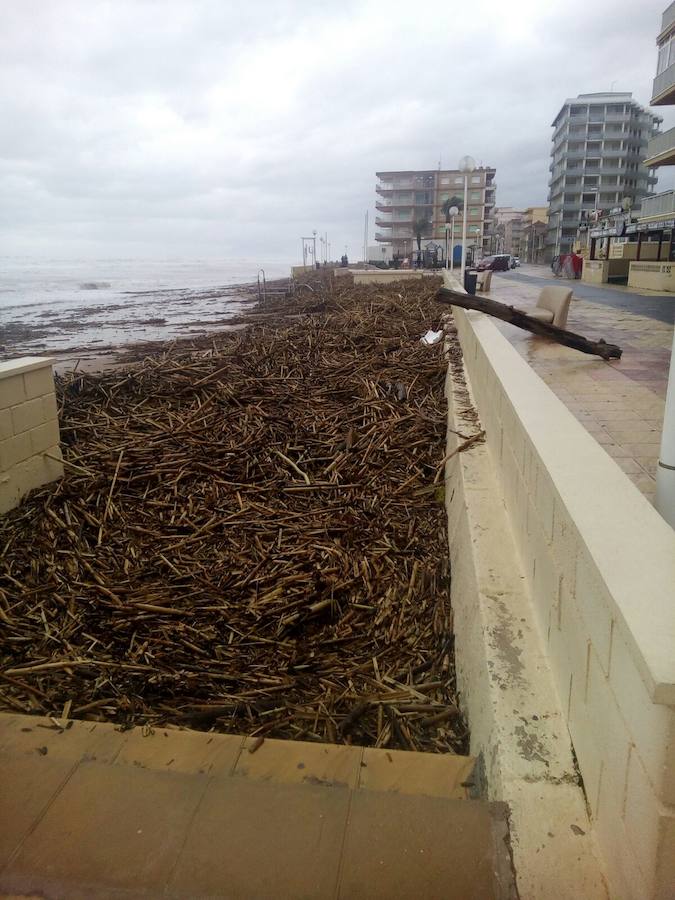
x: 599, y: 563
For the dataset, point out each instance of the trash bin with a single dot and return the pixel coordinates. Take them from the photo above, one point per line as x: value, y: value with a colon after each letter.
x: 470, y: 279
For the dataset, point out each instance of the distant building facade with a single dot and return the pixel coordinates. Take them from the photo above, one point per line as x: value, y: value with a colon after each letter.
x: 507, y: 230
x: 404, y: 197
x: 533, y: 239
x: 598, y: 153
x: 514, y: 232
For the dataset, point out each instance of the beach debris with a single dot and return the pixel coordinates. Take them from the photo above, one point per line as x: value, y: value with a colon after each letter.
x: 249, y: 535
x: 431, y: 337
x: 521, y: 320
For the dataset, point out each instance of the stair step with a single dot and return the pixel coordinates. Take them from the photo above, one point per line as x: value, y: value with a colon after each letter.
x: 92, y: 811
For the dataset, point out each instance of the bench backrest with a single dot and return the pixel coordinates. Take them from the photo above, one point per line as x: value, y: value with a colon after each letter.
x: 557, y: 301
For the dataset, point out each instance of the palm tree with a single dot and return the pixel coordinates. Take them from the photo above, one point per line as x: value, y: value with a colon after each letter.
x: 421, y: 226
x: 447, y: 206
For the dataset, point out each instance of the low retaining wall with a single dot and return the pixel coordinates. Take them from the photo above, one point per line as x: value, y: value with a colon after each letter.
x: 599, y: 565
x: 30, y: 455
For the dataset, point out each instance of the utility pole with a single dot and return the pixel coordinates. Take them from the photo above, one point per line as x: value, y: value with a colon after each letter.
x: 365, y: 240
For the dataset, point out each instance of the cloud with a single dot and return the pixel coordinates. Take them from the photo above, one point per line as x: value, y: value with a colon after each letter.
x: 220, y: 128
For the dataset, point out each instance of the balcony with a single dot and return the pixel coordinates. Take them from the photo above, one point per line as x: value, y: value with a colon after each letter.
x: 658, y: 204
x: 383, y: 222
x: 383, y: 205
x: 663, y: 91
x: 661, y: 150
x: 668, y: 18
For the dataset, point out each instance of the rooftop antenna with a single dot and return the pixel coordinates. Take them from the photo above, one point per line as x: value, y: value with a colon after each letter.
x: 611, y: 87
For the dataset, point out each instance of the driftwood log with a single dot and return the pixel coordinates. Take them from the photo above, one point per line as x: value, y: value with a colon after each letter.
x: 522, y: 320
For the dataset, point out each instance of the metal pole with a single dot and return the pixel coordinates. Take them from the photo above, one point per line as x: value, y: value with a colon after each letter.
x: 464, y: 214
x: 452, y: 243
x: 304, y: 253
x: 446, y: 245
x: 665, y: 470
x: 365, y: 241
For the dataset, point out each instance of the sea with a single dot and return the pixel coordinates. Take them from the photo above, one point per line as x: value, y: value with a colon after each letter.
x: 65, y: 306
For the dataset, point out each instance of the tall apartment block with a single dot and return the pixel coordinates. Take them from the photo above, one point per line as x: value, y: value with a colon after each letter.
x: 656, y: 228
x: 661, y: 149
x: 597, y: 160
x: 405, y: 197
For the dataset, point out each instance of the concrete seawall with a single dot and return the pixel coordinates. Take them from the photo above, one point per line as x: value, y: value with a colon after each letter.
x: 590, y: 566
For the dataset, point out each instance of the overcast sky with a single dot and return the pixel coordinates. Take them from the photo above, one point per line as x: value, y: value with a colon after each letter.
x: 218, y: 128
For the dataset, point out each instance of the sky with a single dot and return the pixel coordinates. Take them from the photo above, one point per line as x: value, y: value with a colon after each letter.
x: 211, y: 128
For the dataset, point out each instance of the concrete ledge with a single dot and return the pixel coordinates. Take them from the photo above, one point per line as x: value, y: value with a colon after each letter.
x: 29, y: 429
x: 506, y: 686
x: 23, y: 364
x: 387, y: 276
x: 599, y: 567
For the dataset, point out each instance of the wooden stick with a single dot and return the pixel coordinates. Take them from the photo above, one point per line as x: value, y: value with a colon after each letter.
x: 521, y: 320
x: 469, y: 442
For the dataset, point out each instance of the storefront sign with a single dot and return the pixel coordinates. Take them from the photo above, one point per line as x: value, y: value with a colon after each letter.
x: 651, y: 267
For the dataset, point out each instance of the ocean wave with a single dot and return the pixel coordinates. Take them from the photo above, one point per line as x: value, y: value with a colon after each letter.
x: 94, y: 285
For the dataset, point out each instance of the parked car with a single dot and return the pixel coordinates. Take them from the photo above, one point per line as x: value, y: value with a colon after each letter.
x: 498, y: 263
x: 516, y: 260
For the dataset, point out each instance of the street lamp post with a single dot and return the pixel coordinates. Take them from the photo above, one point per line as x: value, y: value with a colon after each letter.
x: 466, y: 165
x: 452, y: 212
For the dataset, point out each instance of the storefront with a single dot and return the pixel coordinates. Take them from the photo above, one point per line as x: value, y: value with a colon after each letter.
x: 624, y: 252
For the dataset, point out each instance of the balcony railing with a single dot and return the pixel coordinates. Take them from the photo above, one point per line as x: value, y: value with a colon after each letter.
x: 659, y: 145
x: 664, y: 86
x: 668, y: 17
x: 658, y: 204
x: 383, y: 222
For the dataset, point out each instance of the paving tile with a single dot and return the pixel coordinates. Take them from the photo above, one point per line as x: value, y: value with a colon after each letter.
x: 300, y: 762
x: 172, y: 750
x: 644, y: 482
x: 110, y: 825
x: 31, y: 735
x: 635, y: 436
x: 643, y: 449
x: 629, y: 465
x: 451, y: 853
x: 254, y: 839
x: 431, y: 775
x: 29, y: 785
x: 615, y: 450
x: 648, y: 463
x: 617, y: 415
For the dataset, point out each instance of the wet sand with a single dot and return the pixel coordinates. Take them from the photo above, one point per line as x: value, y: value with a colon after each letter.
x: 104, y: 336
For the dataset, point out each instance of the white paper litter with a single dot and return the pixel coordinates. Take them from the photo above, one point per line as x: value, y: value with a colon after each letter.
x: 431, y: 337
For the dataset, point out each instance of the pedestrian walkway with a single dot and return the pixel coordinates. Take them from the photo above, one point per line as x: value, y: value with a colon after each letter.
x: 620, y: 402
x: 88, y: 810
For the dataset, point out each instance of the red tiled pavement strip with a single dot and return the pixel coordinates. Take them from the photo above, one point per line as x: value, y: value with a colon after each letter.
x: 92, y: 812
x: 620, y: 402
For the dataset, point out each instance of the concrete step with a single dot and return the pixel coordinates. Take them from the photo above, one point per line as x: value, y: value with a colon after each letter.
x: 94, y: 812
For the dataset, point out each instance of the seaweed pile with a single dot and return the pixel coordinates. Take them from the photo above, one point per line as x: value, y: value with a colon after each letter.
x: 250, y: 536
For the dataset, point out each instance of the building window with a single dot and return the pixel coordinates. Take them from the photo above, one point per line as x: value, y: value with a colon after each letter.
x: 445, y: 179
x: 666, y: 56
x: 459, y: 180
x: 476, y: 179
x: 474, y: 195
